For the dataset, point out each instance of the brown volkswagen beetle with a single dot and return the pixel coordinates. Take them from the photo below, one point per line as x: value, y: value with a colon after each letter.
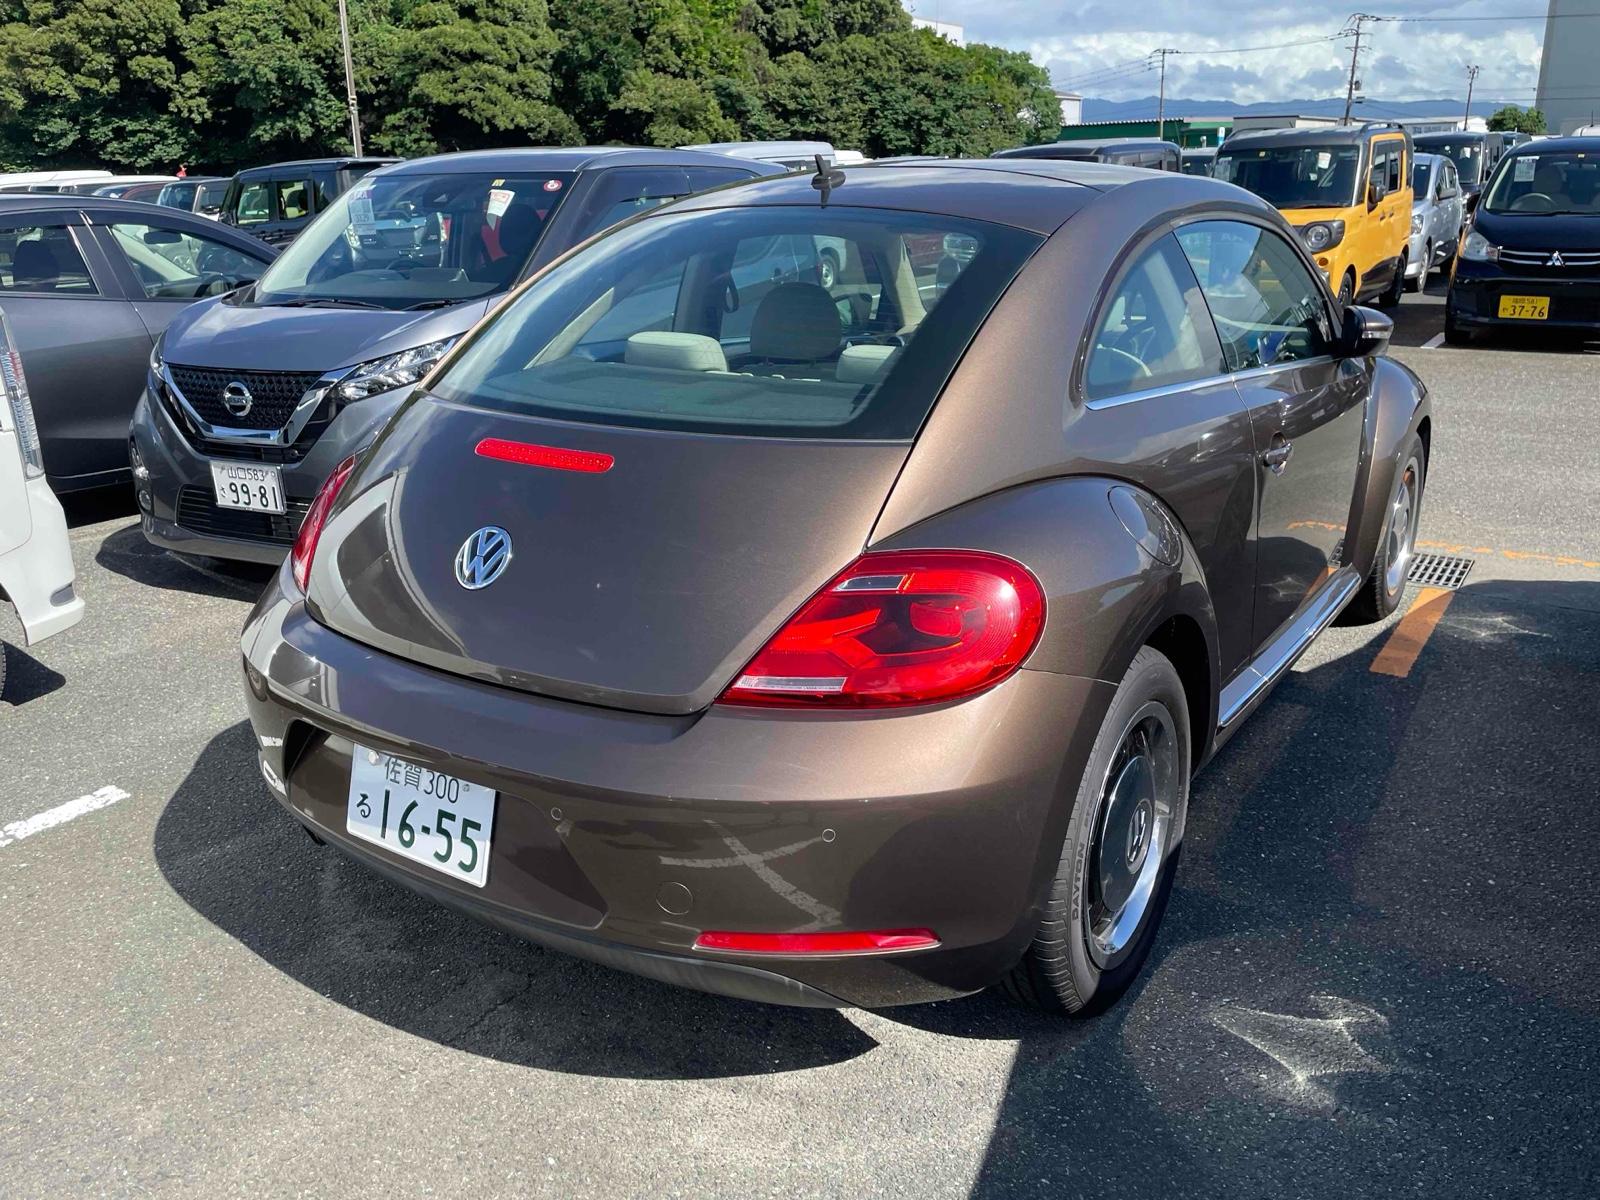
x: 845, y: 643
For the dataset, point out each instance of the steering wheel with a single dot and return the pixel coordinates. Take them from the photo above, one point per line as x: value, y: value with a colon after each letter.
x: 1140, y: 371
x: 1542, y: 203
x: 206, y: 284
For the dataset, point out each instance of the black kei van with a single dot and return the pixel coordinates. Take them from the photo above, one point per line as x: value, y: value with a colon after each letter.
x: 1475, y: 154
x: 276, y: 202
x: 1130, y: 152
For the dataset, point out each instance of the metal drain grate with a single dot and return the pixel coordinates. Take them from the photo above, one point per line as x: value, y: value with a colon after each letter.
x: 1439, y: 571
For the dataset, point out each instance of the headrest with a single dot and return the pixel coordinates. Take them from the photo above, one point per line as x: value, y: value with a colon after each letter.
x: 863, y: 364
x: 518, y: 229
x: 33, y: 266
x: 795, y: 322
x: 679, y: 351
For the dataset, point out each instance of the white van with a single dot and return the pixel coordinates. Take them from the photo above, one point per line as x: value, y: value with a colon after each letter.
x: 50, y: 181
x: 796, y: 156
x: 36, y: 572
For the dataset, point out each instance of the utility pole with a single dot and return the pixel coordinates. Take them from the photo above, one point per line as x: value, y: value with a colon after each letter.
x: 1161, y: 100
x: 1353, y: 29
x: 1472, y: 76
x: 350, y: 81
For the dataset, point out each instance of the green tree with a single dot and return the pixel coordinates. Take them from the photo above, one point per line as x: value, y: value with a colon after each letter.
x: 87, y: 83
x: 467, y: 74
x: 1518, y: 120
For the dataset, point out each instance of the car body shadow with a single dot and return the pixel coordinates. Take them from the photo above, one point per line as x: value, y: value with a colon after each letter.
x: 126, y: 552
x: 242, y: 862
x: 25, y: 677
x: 94, y: 505
x: 1378, y: 973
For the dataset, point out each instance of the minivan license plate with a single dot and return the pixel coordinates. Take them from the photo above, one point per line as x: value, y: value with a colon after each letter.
x: 1525, y: 308
x: 248, y: 486
x: 437, y: 820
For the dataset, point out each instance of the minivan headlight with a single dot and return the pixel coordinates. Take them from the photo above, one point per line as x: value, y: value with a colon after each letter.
x: 1478, y: 248
x: 1322, y: 235
x: 392, y: 371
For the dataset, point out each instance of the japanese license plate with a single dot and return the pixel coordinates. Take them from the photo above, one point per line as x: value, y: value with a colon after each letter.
x: 439, y: 821
x: 1525, y: 308
x: 250, y: 486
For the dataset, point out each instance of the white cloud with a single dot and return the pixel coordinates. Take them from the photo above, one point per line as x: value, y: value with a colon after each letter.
x: 1082, y: 42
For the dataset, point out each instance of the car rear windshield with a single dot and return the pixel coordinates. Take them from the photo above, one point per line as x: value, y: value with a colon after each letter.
x: 410, y: 240
x: 1466, y: 153
x: 780, y: 322
x: 1553, y: 183
x: 1294, y: 176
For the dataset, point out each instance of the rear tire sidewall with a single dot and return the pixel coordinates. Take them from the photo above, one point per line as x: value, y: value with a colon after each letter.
x: 1413, y: 457
x: 1347, y: 290
x: 828, y: 268
x: 1151, y: 677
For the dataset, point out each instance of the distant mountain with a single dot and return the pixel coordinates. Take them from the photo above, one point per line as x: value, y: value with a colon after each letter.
x: 1333, y: 106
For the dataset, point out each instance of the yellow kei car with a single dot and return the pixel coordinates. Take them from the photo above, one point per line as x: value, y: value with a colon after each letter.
x: 1346, y: 189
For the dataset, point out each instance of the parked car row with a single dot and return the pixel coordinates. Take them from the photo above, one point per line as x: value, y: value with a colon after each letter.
x: 592, y: 528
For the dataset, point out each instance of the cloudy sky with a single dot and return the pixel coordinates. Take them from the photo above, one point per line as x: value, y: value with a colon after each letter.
x: 1083, y: 43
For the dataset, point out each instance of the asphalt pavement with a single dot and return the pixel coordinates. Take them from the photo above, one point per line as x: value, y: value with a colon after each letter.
x: 1379, y: 975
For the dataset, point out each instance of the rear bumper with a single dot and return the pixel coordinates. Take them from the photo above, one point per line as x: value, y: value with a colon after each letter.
x: 948, y: 818
x: 175, y: 491
x: 37, y: 575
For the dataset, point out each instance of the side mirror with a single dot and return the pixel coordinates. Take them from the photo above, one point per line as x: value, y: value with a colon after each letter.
x: 1470, y: 202
x: 1375, y: 193
x: 1366, y: 331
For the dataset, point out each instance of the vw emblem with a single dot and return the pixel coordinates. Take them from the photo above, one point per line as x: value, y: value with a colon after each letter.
x: 236, y: 398
x: 1556, y: 260
x: 483, y: 557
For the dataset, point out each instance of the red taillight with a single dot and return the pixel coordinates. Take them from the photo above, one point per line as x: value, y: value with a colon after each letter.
x: 305, y: 542
x: 900, y: 627
x: 867, y: 942
x: 590, y: 462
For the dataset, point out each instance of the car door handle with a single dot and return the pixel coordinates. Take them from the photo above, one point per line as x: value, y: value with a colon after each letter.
x: 1276, y: 456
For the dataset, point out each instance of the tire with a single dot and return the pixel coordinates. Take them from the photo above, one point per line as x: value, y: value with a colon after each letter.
x: 828, y: 269
x: 1347, y: 289
x: 1427, y: 268
x: 1380, y: 594
x: 1134, y: 791
x: 1454, y: 333
x: 1390, y: 296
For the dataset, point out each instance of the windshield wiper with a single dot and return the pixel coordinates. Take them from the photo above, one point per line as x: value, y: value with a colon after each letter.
x: 422, y: 304
x: 325, y: 302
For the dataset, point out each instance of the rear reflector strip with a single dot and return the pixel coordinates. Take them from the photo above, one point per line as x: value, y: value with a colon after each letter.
x: 589, y: 462
x: 868, y: 942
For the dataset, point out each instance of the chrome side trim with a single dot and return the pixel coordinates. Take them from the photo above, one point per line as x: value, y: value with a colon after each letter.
x: 1279, y: 655
x: 286, y: 436
x: 1207, y: 381
x: 1169, y: 389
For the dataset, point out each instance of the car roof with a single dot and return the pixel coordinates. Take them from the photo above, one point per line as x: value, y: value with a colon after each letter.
x: 1078, y: 147
x: 1451, y: 135
x: 1590, y: 145
x: 106, y: 207
x: 297, y: 163
x: 567, y: 158
x: 1034, y: 194
x: 1314, y: 135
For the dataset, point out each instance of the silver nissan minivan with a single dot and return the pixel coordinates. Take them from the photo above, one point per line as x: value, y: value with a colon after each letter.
x: 253, y: 397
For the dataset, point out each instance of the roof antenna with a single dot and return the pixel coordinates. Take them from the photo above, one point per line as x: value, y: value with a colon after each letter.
x: 826, y: 179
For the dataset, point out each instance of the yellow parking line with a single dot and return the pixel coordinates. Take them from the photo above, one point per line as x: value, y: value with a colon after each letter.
x: 1411, y: 633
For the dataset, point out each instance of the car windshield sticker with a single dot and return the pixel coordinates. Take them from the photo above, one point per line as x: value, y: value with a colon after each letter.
x: 1324, y: 160
x: 552, y: 185
x: 1524, y: 169
x: 361, y: 210
x: 499, y: 200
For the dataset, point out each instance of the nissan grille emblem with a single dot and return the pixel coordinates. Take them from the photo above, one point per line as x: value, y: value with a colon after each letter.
x: 483, y: 557
x: 1556, y: 260
x: 236, y: 398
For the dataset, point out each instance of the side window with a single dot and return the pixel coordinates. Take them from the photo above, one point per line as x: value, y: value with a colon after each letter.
x: 649, y: 308
x: 1153, y: 331
x: 294, y: 198
x: 326, y: 190
x: 760, y: 265
x: 1268, y: 307
x: 623, y: 192
x: 43, y: 258
x: 1397, y: 172
x: 701, y: 178
x: 255, y: 204
x: 1452, y: 181
x: 174, y: 265
x: 1379, y: 176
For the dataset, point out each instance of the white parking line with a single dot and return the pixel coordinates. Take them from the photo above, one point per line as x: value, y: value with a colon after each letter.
x: 1434, y: 342
x: 15, y: 831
